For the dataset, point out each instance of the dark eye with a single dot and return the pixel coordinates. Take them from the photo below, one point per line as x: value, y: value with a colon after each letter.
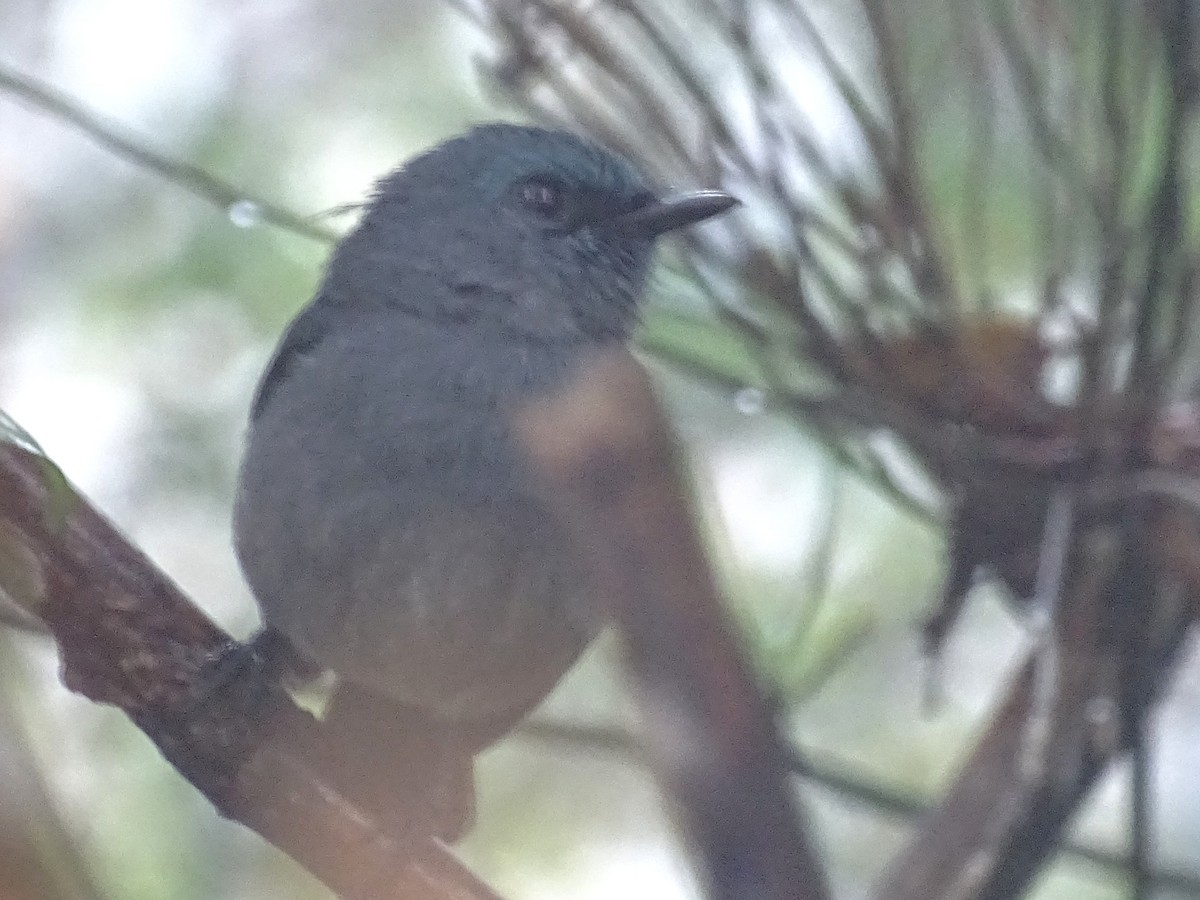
x: 544, y: 196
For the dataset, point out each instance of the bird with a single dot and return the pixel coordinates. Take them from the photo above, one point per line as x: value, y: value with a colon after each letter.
x: 384, y: 519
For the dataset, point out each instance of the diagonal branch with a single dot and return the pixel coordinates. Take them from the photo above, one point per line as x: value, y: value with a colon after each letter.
x: 129, y: 637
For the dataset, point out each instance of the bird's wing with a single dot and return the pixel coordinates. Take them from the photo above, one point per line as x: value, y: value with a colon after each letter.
x: 307, y: 330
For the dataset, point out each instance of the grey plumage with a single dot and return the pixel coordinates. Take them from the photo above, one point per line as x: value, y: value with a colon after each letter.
x: 384, y: 520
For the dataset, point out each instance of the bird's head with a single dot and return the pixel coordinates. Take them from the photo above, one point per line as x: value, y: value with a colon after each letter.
x: 537, y: 233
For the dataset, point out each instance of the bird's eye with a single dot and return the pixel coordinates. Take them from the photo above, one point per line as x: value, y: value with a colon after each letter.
x: 544, y: 196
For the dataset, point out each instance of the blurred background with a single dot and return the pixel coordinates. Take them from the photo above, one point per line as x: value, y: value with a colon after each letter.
x: 135, y: 318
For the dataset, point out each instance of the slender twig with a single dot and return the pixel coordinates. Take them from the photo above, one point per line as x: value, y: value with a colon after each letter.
x: 903, y: 172
x: 197, y: 181
x: 1033, y: 96
x: 1165, y: 216
x: 719, y: 126
x: 647, y: 99
x: 840, y: 778
x: 976, y: 219
x: 818, y: 576
x: 873, y: 130
x: 841, y: 299
x: 1049, y: 582
x: 1114, y: 53
x: 1102, y: 357
x: 1016, y: 824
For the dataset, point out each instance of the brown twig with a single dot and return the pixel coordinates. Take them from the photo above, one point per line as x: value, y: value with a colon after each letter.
x: 129, y: 637
x: 996, y: 437
x: 990, y: 835
x: 1165, y: 217
x: 606, y: 461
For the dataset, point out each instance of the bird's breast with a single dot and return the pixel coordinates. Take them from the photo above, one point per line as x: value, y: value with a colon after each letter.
x: 388, y: 526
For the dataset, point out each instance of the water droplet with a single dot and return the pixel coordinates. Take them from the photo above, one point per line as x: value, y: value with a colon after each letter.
x: 749, y: 401
x: 244, y: 213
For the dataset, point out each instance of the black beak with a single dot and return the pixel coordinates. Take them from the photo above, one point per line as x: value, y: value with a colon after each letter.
x: 660, y: 216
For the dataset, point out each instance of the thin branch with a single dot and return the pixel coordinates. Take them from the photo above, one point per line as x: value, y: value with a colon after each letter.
x: 226, y: 196
x: 976, y: 218
x: 902, y: 171
x: 1033, y: 97
x: 991, y: 834
x: 695, y: 84
x: 874, y: 132
x: 649, y: 101
x: 1114, y: 49
x: 1058, y: 535
x: 1165, y: 217
x: 840, y: 779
